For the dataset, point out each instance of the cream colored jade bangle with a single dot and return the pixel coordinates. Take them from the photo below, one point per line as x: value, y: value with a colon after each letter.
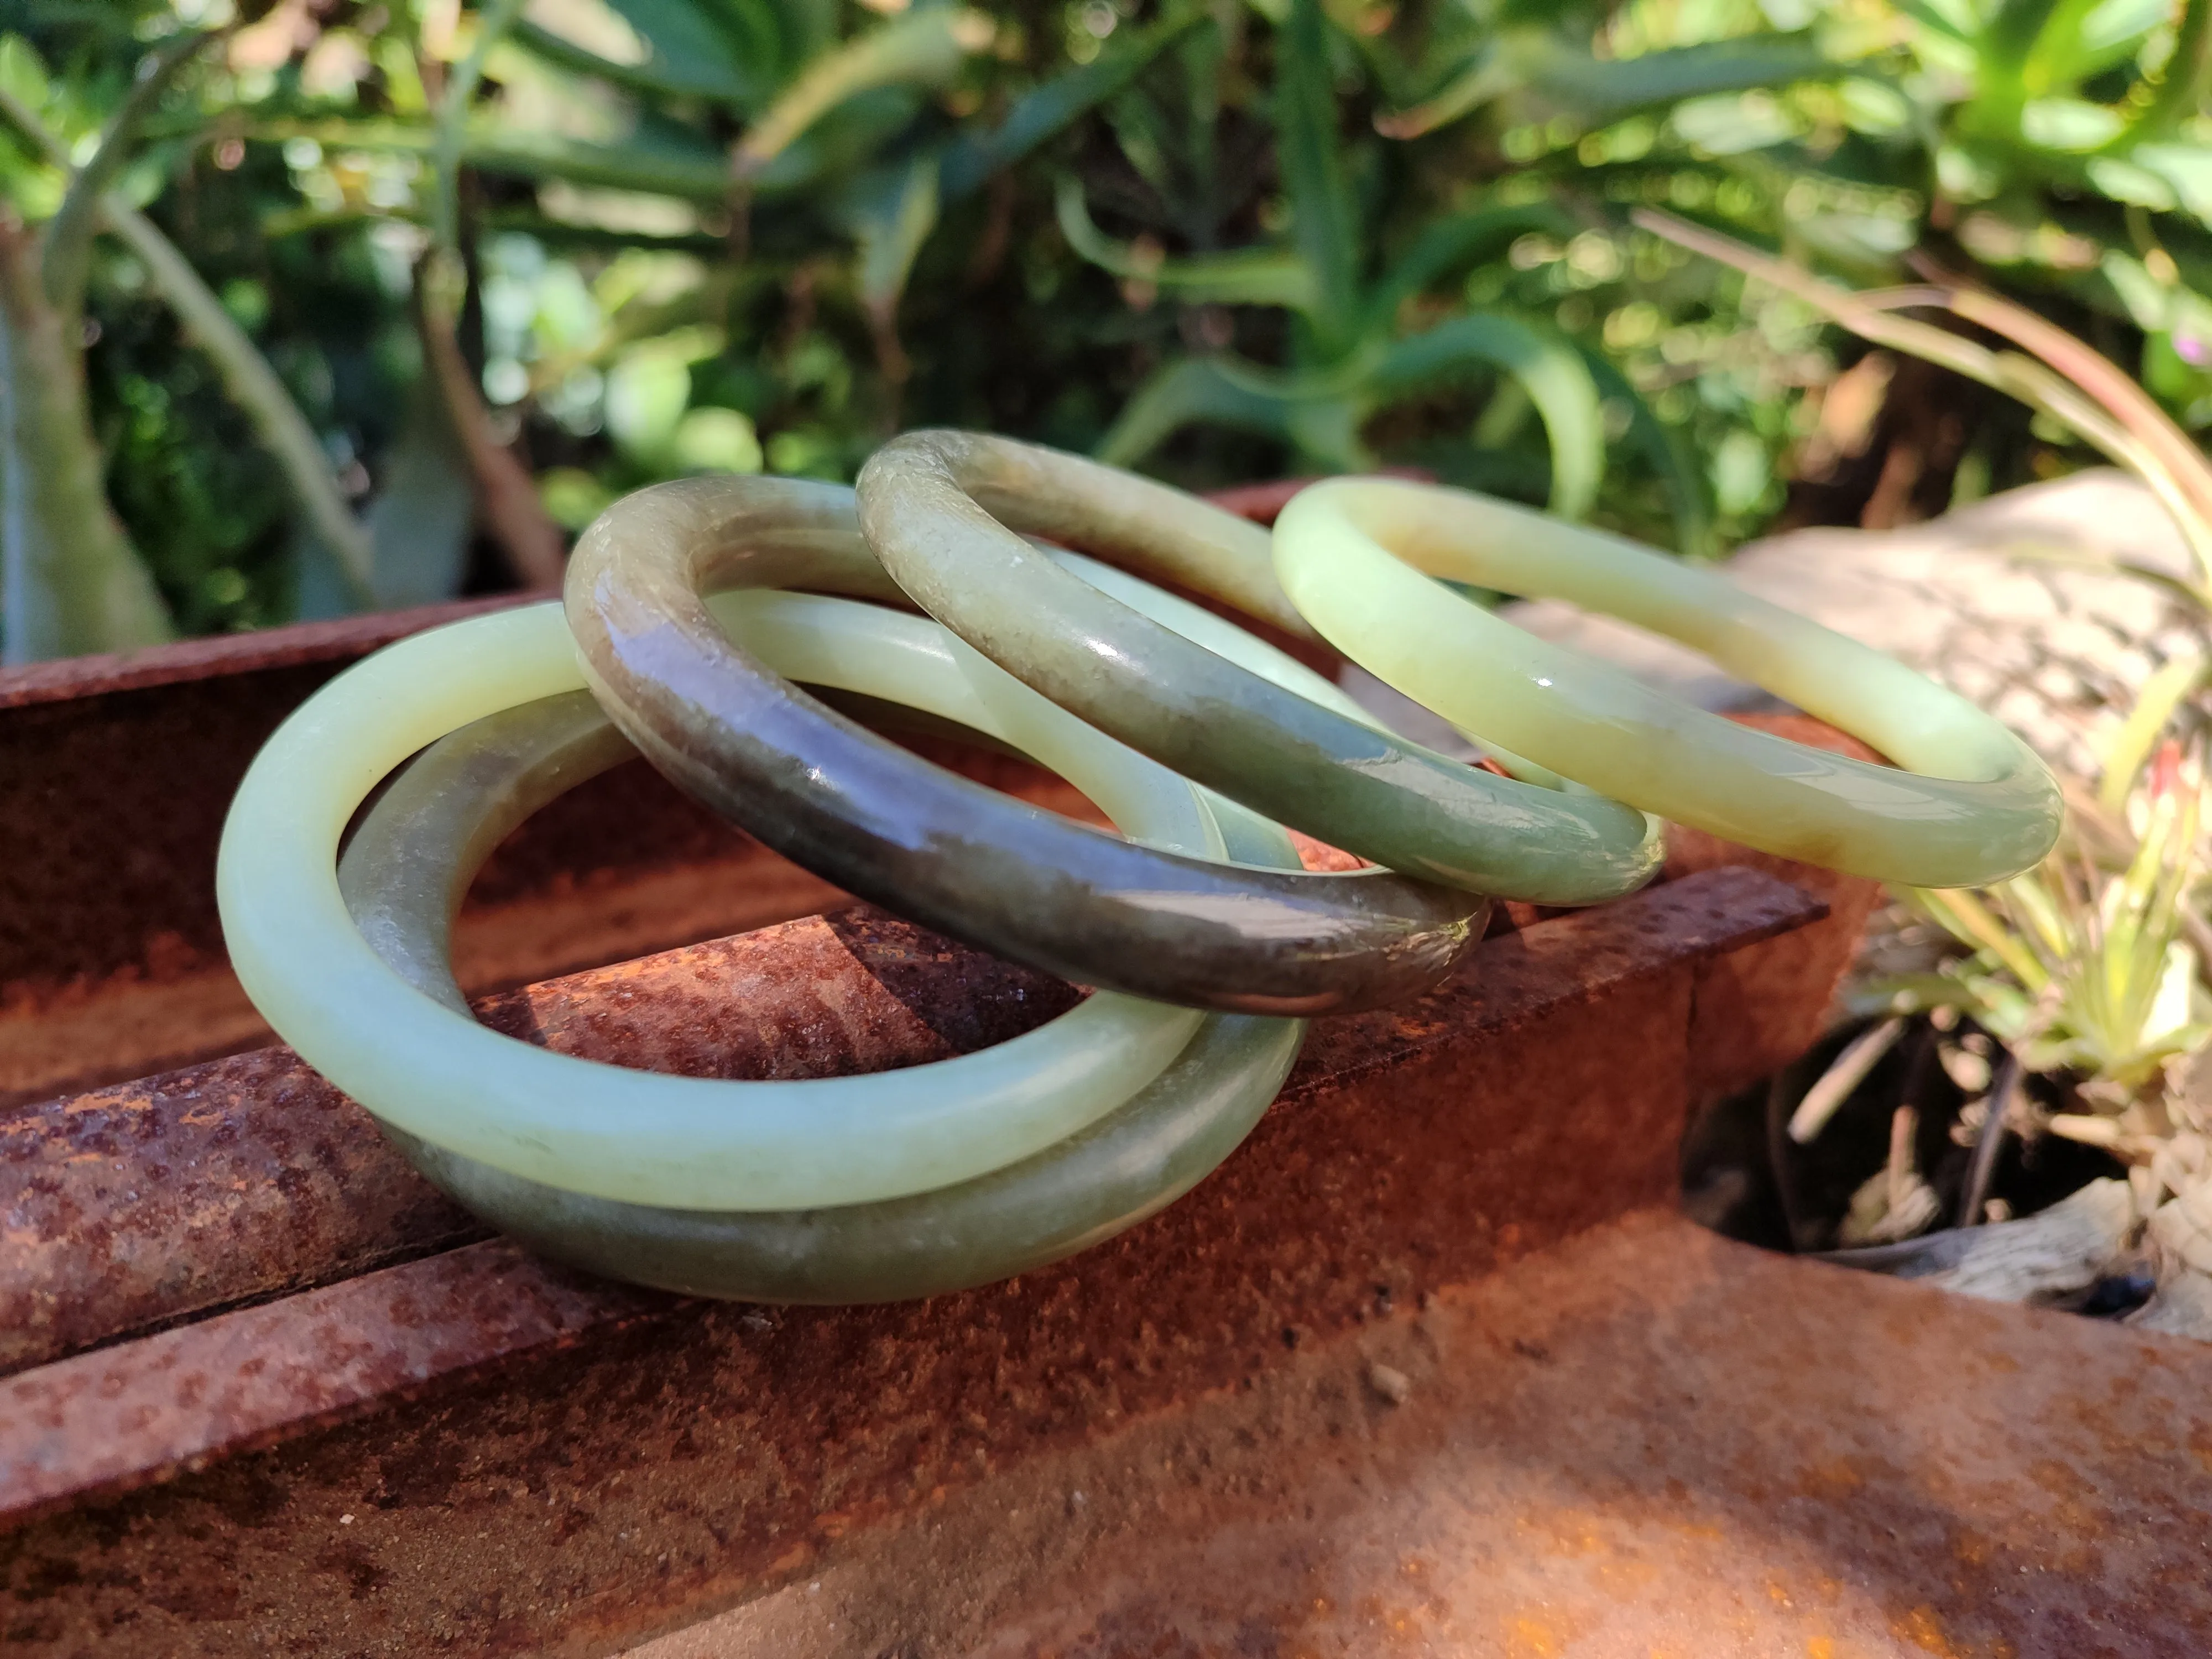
x: 1975, y: 804
x: 641, y: 1137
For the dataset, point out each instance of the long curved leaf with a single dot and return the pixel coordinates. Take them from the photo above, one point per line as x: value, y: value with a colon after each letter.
x: 1491, y: 73
x: 1191, y: 391
x: 1251, y: 277
x: 1549, y: 368
x: 656, y: 77
x: 2182, y: 85
x: 1607, y: 88
x: 70, y: 579
x: 492, y: 25
x: 2009, y: 36
x: 1447, y: 244
x: 1043, y: 111
x: 700, y: 174
x: 890, y: 215
x: 2130, y: 747
x: 922, y: 49
x: 1324, y: 222
x: 246, y: 374
x: 689, y: 52
x: 253, y: 386
x: 1689, y: 485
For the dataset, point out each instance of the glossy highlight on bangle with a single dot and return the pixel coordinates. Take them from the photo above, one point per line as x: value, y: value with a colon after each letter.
x: 1976, y: 805
x: 1173, y: 925
x: 942, y: 511
x: 404, y: 874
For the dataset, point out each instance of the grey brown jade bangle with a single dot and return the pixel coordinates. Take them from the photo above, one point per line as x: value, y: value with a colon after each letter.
x: 940, y: 849
x: 941, y: 509
x: 403, y: 875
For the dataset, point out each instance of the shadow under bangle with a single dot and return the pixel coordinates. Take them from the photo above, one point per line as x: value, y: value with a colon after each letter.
x: 1976, y: 806
x: 941, y: 509
x: 943, y: 851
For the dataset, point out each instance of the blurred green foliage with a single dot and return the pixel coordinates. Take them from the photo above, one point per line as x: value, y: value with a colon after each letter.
x: 1222, y: 239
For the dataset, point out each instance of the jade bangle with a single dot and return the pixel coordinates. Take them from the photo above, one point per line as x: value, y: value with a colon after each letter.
x: 683, y: 1143
x: 940, y: 510
x: 403, y: 875
x: 940, y: 849
x: 1976, y: 806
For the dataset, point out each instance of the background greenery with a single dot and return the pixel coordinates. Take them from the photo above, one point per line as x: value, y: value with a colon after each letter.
x: 1222, y: 239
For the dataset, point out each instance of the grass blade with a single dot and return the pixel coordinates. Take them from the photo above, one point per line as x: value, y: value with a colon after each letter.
x: 1324, y: 223
x: 2164, y: 692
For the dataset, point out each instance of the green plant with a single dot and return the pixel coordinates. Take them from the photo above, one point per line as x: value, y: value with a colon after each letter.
x: 1374, y: 336
x: 784, y: 140
x: 2090, y: 970
x: 506, y: 262
x: 74, y: 582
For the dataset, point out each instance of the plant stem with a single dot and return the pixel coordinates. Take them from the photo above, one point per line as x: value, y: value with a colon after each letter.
x: 70, y: 579
x: 492, y: 23
x: 506, y: 498
x: 253, y: 386
x: 246, y: 374
x: 65, y: 251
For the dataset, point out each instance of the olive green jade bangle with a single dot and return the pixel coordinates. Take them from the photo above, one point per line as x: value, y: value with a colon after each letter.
x: 1975, y: 807
x: 686, y: 1143
x: 403, y: 875
x: 940, y: 849
x: 941, y: 510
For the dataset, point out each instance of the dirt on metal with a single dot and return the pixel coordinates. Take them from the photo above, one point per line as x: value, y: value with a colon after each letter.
x: 1644, y: 1443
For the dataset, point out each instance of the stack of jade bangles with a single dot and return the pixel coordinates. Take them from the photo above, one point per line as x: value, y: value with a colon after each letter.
x: 695, y: 611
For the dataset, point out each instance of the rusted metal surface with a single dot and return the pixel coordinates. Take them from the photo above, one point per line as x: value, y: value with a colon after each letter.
x: 1411, y: 1148
x: 223, y: 656
x: 258, y: 1375
x: 131, y: 1206
x: 1645, y: 1442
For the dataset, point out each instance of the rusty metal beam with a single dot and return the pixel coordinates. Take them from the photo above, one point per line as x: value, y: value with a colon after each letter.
x: 136, y: 1206
x: 1423, y: 1144
x: 1644, y: 1442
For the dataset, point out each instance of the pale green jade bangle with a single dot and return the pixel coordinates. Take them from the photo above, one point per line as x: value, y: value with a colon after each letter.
x: 677, y: 1142
x: 403, y: 875
x: 1974, y: 804
x: 948, y: 514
